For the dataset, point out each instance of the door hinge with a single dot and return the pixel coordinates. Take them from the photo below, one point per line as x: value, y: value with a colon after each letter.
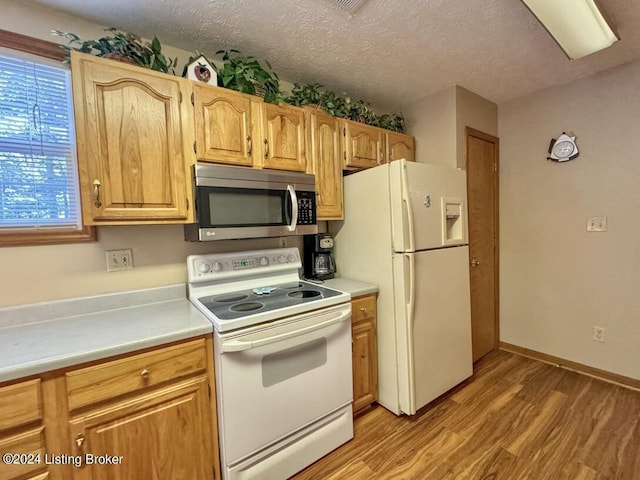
x: 209, y: 389
x: 187, y: 204
x: 495, y: 166
x: 345, y: 154
x: 194, y: 147
x: 344, y: 132
x: 192, y: 101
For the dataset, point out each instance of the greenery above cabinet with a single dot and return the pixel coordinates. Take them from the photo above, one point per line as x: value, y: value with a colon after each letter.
x: 243, y: 73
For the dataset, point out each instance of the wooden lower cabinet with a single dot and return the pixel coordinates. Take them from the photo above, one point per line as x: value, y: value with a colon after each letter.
x: 146, y: 415
x: 364, y: 352
x: 160, y: 435
x: 22, y: 432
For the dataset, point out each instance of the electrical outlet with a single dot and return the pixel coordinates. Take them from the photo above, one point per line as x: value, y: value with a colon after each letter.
x: 598, y: 333
x: 597, y: 224
x: 119, y: 260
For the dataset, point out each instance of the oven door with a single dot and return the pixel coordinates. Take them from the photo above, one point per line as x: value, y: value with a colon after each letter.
x: 275, y: 381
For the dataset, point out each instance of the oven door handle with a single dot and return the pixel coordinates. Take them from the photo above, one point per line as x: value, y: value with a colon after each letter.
x: 294, y: 208
x: 241, y: 345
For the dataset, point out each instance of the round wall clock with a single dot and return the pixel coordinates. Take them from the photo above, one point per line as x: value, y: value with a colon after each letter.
x: 563, y: 148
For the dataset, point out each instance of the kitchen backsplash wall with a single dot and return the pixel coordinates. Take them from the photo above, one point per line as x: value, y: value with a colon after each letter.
x: 40, y: 273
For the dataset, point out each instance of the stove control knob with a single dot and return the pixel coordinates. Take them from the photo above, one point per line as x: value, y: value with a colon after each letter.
x: 216, y: 267
x: 291, y: 258
x: 281, y: 259
x: 204, y: 267
x: 264, y: 261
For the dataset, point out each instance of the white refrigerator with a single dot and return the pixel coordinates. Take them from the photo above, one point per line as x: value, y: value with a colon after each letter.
x: 405, y: 229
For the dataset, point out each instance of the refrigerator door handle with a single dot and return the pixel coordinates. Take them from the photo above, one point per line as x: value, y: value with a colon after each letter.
x: 410, y: 257
x: 407, y: 211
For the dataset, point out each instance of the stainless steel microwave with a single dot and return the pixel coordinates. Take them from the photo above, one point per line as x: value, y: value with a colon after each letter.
x: 240, y: 202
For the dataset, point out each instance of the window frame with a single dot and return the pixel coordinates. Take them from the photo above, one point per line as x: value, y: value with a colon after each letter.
x: 50, y: 236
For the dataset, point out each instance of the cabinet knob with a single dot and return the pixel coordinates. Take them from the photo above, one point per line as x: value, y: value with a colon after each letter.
x: 363, y: 309
x: 474, y: 262
x: 80, y: 438
x: 144, y: 373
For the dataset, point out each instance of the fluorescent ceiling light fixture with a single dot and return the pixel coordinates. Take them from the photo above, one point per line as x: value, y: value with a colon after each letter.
x: 577, y: 25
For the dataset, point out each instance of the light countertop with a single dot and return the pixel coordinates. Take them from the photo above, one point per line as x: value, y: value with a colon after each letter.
x: 47, y: 336
x: 355, y: 287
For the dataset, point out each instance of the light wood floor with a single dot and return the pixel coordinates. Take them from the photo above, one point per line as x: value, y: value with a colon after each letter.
x: 515, y: 419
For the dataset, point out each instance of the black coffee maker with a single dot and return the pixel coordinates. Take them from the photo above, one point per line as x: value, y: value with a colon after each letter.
x: 318, y: 260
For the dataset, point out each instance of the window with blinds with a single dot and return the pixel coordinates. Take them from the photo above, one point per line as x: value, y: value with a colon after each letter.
x: 38, y: 179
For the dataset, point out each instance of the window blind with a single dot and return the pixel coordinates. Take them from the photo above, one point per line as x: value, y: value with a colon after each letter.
x: 38, y: 178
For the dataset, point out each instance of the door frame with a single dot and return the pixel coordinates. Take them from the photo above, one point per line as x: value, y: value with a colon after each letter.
x: 472, y: 132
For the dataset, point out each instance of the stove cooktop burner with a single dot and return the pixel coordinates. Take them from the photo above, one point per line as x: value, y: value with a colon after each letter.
x: 232, y: 298
x: 304, y: 294
x: 234, y: 305
x: 247, y: 306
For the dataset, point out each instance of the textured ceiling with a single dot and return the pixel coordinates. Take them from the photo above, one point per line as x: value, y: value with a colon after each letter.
x: 389, y: 53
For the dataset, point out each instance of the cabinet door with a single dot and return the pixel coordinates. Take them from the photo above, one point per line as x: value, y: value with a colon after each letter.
x: 399, y: 145
x: 324, y: 153
x: 22, y: 431
x: 162, y: 435
x: 362, y: 145
x: 130, y: 143
x: 365, y: 355
x: 223, y: 126
x: 364, y: 365
x: 283, y: 137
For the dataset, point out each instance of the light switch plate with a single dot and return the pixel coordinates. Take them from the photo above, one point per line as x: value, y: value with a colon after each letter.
x: 597, y: 224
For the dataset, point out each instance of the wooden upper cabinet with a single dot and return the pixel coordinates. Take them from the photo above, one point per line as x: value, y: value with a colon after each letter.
x: 130, y: 126
x: 223, y: 126
x: 325, y: 163
x: 282, y: 137
x: 362, y: 145
x: 399, y: 145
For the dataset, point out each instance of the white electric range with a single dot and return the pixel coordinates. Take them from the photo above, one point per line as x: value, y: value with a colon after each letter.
x: 282, y: 350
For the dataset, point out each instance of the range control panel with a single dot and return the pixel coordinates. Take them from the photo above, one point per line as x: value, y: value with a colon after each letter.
x: 241, y: 263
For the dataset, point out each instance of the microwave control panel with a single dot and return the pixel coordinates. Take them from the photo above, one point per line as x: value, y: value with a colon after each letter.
x: 306, y: 208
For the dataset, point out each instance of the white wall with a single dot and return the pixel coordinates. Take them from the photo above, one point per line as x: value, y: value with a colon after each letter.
x: 438, y: 124
x: 557, y: 280
x: 432, y: 121
x: 473, y: 111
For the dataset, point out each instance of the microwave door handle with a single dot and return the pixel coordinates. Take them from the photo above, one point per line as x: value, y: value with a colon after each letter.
x: 294, y: 208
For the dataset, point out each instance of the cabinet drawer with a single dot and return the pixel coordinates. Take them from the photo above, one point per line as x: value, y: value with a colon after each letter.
x: 28, y: 445
x: 363, y: 308
x: 111, y: 379
x: 20, y: 404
